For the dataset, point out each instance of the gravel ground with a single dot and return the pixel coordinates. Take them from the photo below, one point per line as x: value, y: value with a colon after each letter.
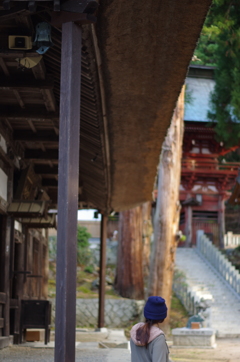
x: 228, y: 350
x: 26, y: 354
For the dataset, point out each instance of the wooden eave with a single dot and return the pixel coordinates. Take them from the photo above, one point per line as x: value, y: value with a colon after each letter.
x: 29, y: 106
x: 20, y: 208
x: 48, y: 221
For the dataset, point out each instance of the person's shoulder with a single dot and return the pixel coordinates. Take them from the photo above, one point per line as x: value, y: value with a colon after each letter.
x: 160, y: 342
x: 160, y: 337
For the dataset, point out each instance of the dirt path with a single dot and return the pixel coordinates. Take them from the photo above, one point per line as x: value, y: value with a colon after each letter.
x: 228, y: 350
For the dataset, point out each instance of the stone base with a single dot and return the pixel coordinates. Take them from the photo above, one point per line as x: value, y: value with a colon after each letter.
x: 102, y: 330
x: 193, y: 338
x: 124, y: 345
x: 6, y: 341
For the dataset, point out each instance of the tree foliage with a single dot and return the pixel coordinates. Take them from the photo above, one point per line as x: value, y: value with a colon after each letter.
x: 219, y: 46
x: 83, y: 236
x: 83, y: 250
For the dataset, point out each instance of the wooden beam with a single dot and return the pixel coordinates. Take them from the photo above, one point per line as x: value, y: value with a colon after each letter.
x: 39, y: 72
x: 19, y: 98
x: 46, y: 169
x: 2, y: 298
x: 38, y: 136
x: 33, y: 128
x: 36, y: 113
x: 13, y: 12
x: 7, y: 83
x: 1, y: 322
x: 8, y: 53
x: 52, y: 193
x: 49, y: 182
x: 33, y: 154
x: 7, y: 74
x: 62, y: 17
x: 68, y: 193
x: 6, y: 272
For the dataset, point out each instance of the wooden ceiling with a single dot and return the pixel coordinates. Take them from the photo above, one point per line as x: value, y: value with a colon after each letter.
x: 134, y: 62
x: 29, y: 107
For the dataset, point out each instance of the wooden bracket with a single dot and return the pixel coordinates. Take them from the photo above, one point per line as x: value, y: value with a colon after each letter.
x: 65, y: 17
x: 32, y: 4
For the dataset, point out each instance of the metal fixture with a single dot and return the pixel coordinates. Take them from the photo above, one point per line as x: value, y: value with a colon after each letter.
x: 43, y: 37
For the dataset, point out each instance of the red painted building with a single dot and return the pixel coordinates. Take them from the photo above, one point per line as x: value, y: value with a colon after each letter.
x: 205, y: 181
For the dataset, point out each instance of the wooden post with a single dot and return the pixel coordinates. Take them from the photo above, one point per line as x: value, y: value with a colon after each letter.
x: 221, y: 220
x: 6, y: 280
x: 188, y: 226
x: 19, y: 268
x: 7, y: 242
x: 102, y: 274
x: 68, y: 183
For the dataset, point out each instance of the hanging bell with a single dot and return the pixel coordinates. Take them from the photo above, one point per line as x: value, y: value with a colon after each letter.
x: 43, y: 39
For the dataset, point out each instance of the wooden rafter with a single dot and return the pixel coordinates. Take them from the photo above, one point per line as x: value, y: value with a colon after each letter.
x: 25, y: 82
x: 36, y: 154
x: 46, y: 170
x: 30, y: 112
x: 37, y: 136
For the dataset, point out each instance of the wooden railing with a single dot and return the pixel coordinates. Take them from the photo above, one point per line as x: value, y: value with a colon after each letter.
x: 209, y: 166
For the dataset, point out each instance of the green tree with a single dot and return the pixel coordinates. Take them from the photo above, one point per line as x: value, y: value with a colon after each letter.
x: 83, y: 251
x: 83, y: 236
x: 219, y: 46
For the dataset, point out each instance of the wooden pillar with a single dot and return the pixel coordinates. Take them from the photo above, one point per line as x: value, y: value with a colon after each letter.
x: 221, y: 220
x: 18, y: 287
x: 188, y: 226
x: 102, y: 273
x: 6, y: 271
x: 68, y: 182
x: 45, y: 266
x: 30, y: 264
x: 7, y: 243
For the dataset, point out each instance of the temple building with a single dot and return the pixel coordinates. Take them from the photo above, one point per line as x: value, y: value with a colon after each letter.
x: 86, y: 97
x: 205, y: 180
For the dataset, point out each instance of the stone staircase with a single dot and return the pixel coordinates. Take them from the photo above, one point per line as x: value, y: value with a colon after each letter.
x: 209, y: 285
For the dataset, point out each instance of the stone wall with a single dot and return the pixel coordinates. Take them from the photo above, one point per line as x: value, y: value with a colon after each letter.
x: 119, y: 313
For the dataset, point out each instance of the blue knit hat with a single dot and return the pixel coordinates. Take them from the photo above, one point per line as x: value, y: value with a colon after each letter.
x: 155, y: 308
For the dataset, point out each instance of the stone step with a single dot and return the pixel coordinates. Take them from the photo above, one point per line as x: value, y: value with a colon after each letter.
x: 207, y: 284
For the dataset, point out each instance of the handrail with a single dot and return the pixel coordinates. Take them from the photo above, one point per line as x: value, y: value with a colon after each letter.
x: 231, y: 240
x: 218, y: 261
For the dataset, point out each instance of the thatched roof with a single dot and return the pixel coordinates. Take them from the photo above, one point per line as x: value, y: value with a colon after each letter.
x: 146, y: 47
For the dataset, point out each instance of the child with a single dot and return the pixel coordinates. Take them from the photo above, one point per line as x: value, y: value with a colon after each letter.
x: 148, y: 342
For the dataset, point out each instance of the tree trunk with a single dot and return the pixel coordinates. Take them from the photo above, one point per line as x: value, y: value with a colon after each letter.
x: 129, y: 277
x: 146, y: 236
x: 166, y: 220
x: 188, y: 228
